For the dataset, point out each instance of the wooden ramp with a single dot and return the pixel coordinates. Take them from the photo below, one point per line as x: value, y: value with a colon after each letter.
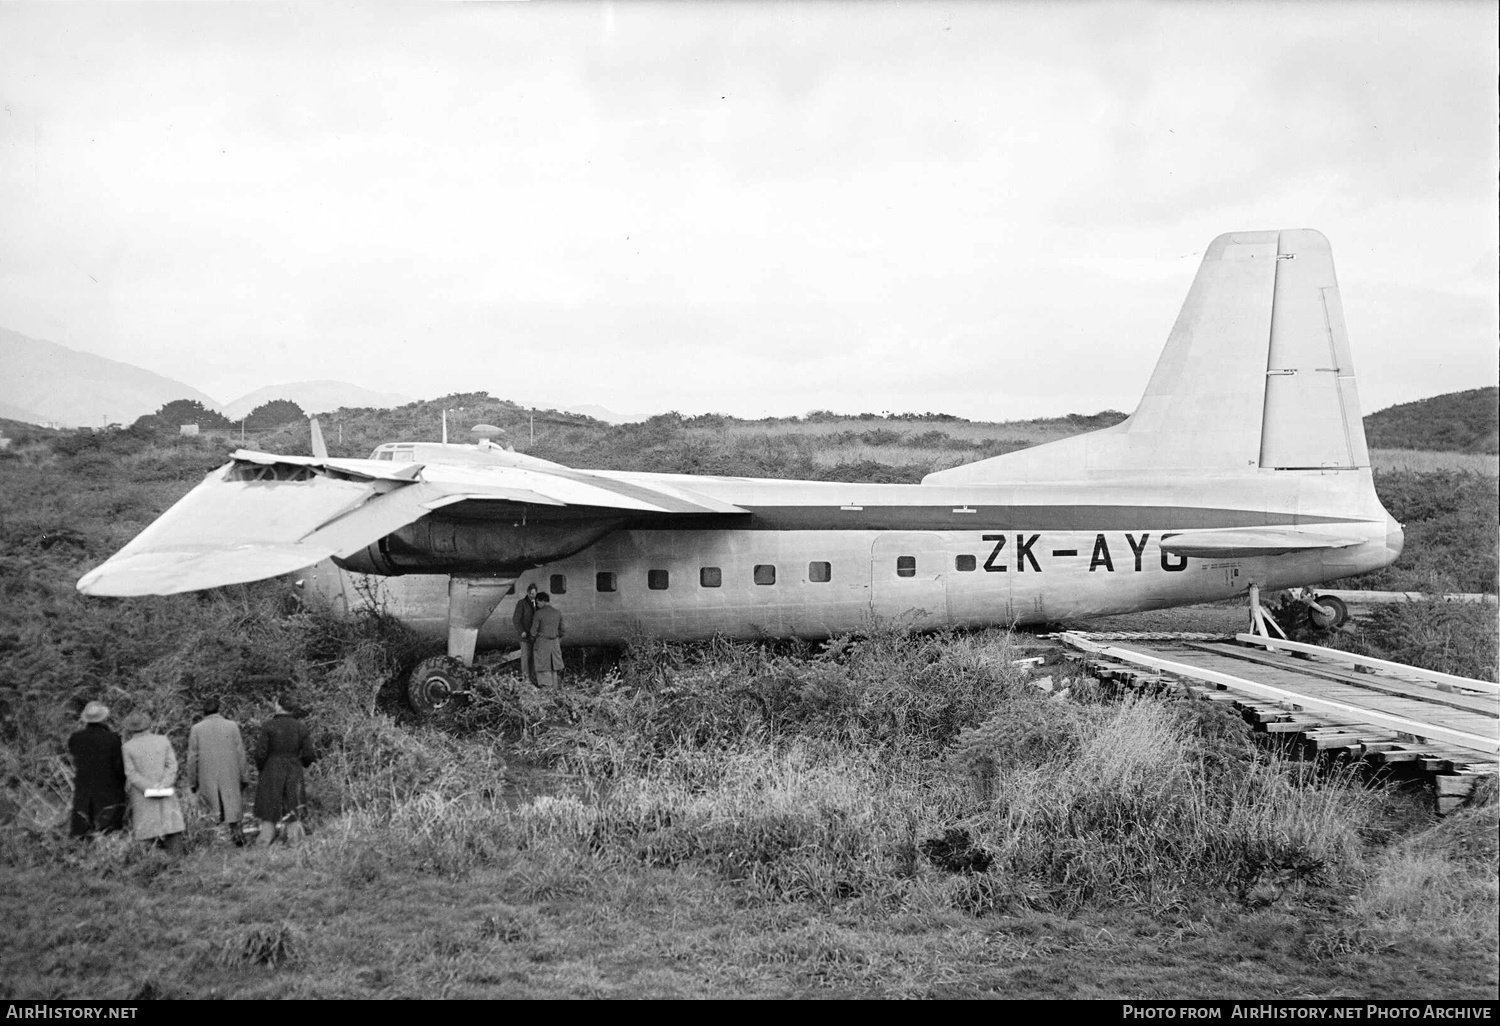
x: 1321, y: 699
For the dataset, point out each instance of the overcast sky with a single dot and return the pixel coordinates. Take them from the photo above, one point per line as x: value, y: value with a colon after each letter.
x: 988, y: 209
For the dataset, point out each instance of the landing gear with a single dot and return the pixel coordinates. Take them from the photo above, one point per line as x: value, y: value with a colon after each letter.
x: 1327, y: 612
x: 437, y: 687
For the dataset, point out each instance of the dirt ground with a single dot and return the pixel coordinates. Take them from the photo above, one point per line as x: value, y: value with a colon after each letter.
x: 1214, y: 617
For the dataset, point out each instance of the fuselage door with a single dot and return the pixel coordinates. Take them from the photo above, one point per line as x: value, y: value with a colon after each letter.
x: 909, y: 575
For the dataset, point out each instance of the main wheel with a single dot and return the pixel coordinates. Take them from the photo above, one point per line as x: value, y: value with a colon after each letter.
x: 437, y: 687
x: 1329, y: 612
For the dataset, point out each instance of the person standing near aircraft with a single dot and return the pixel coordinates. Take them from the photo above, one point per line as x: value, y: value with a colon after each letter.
x: 217, y: 768
x: 151, y: 772
x: 547, y: 633
x: 283, y: 751
x: 99, y: 781
x: 522, y: 619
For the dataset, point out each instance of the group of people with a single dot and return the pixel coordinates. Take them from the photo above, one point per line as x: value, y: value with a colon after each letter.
x: 133, y: 780
x: 137, y: 776
x: 540, y: 627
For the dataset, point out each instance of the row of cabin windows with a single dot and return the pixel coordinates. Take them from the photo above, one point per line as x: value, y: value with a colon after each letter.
x: 712, y: 576
x: 818, y: 572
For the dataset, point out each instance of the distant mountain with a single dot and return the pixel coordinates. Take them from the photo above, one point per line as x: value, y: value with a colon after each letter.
x: 9, y: 412
x: 316, y: 397
x: 51, y: 383
x: 1456, y: 422
x: 586, y: 410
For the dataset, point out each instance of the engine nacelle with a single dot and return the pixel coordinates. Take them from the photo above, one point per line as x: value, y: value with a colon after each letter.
x: 450, y: 545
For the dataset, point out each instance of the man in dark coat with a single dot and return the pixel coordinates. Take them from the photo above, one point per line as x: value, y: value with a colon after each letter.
x: 521, y: 619
x: 284, y: 749
x: 99, y: 799
x: 547, y: 633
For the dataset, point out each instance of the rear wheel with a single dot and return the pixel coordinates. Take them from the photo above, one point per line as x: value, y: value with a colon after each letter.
x: 437, y: 687
x: 1329, y: 612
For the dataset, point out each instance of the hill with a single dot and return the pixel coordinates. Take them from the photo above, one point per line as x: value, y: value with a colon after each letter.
x: 44, y: 381
x: 315, y: 397
x: 1456, y: 422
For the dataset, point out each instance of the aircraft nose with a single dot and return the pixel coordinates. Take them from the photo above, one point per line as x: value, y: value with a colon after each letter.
x: 1395, y: 538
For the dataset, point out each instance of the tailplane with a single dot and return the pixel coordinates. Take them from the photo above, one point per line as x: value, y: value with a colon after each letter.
x: 1256, y: 376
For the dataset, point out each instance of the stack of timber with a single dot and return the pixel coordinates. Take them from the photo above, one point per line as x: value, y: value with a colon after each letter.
x: 1320, y: 700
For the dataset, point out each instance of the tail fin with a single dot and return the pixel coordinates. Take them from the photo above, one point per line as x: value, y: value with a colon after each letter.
x: 1256, y: 375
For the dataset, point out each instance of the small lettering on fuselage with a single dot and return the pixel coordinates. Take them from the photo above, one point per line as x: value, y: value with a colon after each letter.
x: 1100, y: 557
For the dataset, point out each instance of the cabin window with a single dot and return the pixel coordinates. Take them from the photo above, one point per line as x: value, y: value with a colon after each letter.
x: 906, y: 566
x: 383, y: 455
x: 656, y: 580
x: 710, y: 577
x: 559, y: 584
x: 765, y: 573
x: 604, y: 581
x: 819, y: 573
x: 964, y: 563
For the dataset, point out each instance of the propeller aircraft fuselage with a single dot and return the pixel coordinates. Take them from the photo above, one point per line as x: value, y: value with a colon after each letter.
x: 1244, y: 465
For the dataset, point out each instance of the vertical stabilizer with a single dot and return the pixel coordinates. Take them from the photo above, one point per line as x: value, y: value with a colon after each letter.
x: 1255, y: 375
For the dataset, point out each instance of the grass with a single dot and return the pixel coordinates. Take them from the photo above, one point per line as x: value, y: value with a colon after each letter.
x: 1133, y: 850
x: 1426, y: 462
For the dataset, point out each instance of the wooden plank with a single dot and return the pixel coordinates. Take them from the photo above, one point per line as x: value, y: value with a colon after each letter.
x: 1350, y: 659
x: 1475, y: 704
x: 1362, y: 598
x: 1462, y: 738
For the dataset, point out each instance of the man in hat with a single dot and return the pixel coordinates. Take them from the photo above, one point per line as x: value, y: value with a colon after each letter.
x: 151, y: 773
x: 99, y: 780
x: 546, y: 633
x: 217, y: 768
x: 521, y: 619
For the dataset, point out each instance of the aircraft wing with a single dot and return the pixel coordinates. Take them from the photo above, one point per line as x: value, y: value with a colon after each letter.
x: 262, y: 515
x: 1235, y: 542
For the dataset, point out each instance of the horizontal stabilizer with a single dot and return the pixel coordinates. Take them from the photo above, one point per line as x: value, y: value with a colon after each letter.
x: 1251, y: 541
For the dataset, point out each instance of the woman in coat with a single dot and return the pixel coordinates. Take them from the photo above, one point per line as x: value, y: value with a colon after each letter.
x: 99, y: 775
x: 151, y: 765
x: 284, y: 749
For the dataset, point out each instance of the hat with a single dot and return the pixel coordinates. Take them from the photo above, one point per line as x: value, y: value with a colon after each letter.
x: 136, y: 723
x: 95, y: 712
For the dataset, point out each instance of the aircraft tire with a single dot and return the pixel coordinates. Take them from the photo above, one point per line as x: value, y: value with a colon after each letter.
x: 437, y: 687
x: 1330, y: 612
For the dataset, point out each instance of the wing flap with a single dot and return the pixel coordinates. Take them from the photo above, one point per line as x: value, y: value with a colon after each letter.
x: 1245, y: 542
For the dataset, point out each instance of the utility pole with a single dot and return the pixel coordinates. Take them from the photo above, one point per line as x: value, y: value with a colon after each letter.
x: 533, y: 427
